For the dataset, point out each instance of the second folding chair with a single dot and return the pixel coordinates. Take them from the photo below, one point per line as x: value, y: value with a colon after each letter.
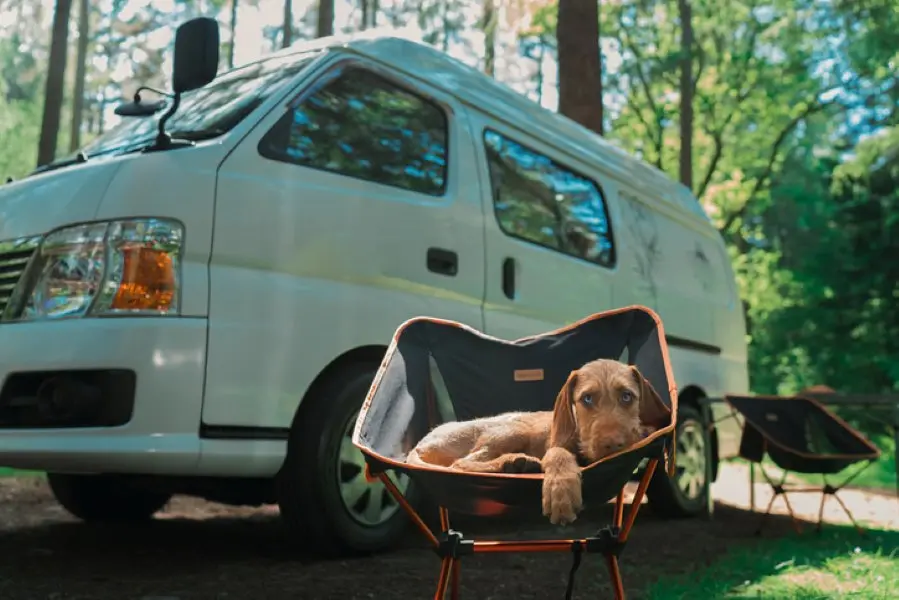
x: 800, y: 435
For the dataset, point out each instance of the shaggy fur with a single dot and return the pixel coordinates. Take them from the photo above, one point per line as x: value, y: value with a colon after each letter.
x: 603, y: 408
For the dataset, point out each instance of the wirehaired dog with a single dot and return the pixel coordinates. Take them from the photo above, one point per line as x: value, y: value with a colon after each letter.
x: 604, y: 408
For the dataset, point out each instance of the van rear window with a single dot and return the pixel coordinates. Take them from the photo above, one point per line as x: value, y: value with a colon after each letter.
x: 361, y: 125
x: 540, y: 201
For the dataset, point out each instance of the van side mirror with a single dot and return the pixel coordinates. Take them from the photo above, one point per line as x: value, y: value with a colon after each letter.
x: 196, y: 59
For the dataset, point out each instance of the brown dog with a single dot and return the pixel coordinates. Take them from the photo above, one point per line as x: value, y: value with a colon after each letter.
x: 603, y: 408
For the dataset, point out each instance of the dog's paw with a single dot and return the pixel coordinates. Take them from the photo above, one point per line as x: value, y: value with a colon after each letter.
x: 522, y: 464
x: 562, y: 498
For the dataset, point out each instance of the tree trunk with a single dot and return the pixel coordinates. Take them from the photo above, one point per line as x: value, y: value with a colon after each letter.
x: 53, y: 91
x: 101, y: 114
x: 375, y: 7
x: 446, y: 26
x: 489, y: 27
x: 580, y: 67
x: 540, y: 59
x: 233, y: 33
x: 686, y: 93
x: 364, y: 6
x: 80, y: 74
x: 287, y: 26
x: 325, y: 18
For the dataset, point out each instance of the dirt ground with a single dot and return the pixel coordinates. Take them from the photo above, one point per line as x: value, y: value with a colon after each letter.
x: 200, y: 551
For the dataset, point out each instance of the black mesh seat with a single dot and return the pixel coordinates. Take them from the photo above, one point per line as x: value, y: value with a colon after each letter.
x: 800, y: 435
x: 437, y: 371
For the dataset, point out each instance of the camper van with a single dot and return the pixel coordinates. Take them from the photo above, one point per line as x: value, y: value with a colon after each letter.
x: 197, y: 301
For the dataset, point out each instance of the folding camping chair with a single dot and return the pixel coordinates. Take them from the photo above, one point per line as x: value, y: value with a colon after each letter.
x: 800, y: 435
x: 437, y: 371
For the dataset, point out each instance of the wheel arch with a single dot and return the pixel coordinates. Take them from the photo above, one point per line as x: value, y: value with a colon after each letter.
x: 372, y: 353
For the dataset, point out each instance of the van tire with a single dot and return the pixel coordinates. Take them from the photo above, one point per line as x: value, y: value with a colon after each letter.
x: 665, y: 495
x: 105, y: 498
x: 308, y: 488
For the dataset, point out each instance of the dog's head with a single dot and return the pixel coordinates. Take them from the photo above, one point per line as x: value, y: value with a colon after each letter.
x: 605, y: 406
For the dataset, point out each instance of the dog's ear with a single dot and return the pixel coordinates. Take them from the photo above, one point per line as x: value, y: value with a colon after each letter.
x: 653, y: 411
x: 563, y: 431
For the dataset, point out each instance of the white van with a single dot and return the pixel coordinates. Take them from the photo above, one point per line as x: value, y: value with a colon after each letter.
x: 205, y: 316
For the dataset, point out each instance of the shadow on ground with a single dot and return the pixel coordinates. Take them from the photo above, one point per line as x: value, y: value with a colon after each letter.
x: 49, y: 556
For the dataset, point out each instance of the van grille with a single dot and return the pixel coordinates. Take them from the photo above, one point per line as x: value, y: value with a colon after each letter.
x: 14, y: 257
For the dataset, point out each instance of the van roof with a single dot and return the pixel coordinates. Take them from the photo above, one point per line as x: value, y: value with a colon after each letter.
x: 478, y: 90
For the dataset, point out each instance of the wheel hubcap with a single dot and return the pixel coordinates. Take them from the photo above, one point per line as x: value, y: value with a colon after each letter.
x: 690, y: 460
x: 367, y: 503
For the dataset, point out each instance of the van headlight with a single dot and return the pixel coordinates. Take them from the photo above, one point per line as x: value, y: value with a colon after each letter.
x: 128, y: 267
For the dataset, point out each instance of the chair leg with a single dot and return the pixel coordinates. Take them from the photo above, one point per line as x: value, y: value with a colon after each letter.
x: 619, y: 509
x: 454, y: 581
x: 450, y: 568
x: 638, y: 498
x: 793, y: 518
x: 778, y: 489
x: 446, y: 568
x: 752, y: 487
x: 764, y: 517
x: 821, y: 512
x: 615, y: 575
x: 849, y: 514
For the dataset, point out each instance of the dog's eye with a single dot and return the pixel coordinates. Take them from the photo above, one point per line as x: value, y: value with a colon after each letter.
x: 587, y: 399
x: 627, y: 397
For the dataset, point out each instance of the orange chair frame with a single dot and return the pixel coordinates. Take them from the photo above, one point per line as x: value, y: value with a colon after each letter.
x: 451, y: 546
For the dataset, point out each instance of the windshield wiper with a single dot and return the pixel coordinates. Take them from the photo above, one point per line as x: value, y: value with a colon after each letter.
x: 197, y: 136
x: 145, y: 144
x: 79, y: 158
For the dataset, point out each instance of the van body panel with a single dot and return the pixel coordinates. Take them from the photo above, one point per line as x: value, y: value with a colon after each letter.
x: 47, y: 201
x: 665, y: 261
x: 167, y: 356
x: 175, y: 184
x: 308, y: 264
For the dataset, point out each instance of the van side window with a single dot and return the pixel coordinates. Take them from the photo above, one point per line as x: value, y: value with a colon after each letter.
x: 540, y: 201
x: 363, y: 126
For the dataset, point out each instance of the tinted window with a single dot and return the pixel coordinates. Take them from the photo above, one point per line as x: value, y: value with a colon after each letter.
x: 363, y: 126
x: 539, y: 200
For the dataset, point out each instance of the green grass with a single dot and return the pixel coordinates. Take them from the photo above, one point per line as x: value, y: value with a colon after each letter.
x: 836, y: 564
x: 7, y: 472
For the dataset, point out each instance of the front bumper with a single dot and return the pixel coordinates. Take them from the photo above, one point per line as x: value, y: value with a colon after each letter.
x: 168, y: 356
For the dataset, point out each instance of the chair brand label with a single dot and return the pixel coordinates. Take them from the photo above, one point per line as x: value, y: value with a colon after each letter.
x: 529, y: 375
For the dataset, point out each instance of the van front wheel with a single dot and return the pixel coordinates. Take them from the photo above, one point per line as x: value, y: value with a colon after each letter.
x: 321, y: 488
x: 684, y: 494
x: 105, y: 498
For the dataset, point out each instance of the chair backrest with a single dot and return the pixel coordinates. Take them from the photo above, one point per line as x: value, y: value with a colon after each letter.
x: 439, y: 370
x: 799, y: 434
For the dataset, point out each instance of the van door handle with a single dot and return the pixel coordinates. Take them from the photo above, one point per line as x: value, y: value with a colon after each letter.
x: 442, y: 261
x: 509, y: 278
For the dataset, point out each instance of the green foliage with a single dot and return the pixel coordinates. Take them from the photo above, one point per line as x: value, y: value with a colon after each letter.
x: 823, y: 282
x: 783, y: 89
x: 20, y: 110
x: 20, y: 125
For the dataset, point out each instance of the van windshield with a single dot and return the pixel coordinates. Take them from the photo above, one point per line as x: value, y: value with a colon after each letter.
x: 209, y: 111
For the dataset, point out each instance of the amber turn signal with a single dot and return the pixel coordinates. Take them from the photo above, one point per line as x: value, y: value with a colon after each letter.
x: 148, y: 281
